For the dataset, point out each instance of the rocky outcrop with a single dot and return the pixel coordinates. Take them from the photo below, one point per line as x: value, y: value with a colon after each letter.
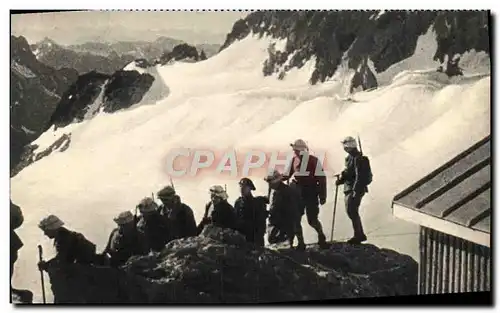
x: 385, y: 38
x: 35, y: 91
x: 180, y: 52
x: 124, y: 89
x: 363, y: 78
x: 119, y: 91
x: 29, y: 155
x: 75, y: 101
x: 219, y: 266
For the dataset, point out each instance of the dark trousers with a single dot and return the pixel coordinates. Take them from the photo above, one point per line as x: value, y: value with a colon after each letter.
x: 13, y: 259
x: 352, y: 206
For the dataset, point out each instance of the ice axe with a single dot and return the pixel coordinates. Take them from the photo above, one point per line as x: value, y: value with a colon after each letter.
x: 334, y: 206
x: 40, y: 258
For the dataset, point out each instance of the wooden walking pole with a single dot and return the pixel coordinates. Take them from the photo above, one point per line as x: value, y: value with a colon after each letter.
x: 334, y: 208
x: 40, y: 258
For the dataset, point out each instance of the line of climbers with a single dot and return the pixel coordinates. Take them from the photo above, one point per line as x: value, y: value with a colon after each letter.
x: 173, y: 219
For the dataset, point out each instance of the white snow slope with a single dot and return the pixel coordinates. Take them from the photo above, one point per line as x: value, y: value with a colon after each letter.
x: 413, y: 124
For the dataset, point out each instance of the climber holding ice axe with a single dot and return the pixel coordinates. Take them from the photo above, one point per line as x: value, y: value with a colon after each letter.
x: 355, y: 177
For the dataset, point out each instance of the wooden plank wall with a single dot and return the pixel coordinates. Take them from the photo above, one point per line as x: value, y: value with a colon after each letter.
x: 449, y: 264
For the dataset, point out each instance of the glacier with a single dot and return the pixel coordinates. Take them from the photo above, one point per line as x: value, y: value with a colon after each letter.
x: 414, y: 121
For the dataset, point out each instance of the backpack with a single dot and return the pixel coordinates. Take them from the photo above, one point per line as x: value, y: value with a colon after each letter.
x: 86, y: 249
x: 365, y: 174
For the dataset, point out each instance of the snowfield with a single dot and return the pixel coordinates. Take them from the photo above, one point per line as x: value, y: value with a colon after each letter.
x: 414, y: 122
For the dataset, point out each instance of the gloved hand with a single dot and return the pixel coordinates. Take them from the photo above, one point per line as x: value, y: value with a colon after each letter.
x: 42, y: 266
x: 337, y: 182
x: 322, y: 201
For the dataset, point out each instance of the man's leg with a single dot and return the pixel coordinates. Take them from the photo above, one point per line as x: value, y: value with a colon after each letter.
x: 300, y: 235
x: 352, y: 206
x: 312, y: 212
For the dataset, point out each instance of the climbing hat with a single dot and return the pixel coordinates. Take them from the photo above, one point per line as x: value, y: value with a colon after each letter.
x: 166, y: 192
x: 51, y: 222
x: 299, y: 144
x: 218, y: 191
x: 349, y: 142
x: 247, y: 182
x: 274, y: 177
x: 147, y: 205
x: 124, y: 218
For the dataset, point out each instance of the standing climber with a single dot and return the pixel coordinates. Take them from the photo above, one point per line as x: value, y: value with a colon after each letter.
x: 311, y: 186
x: 125, y: 241
x: 284, y: 213
x: 218, y: 211
x: 16, y: 220
x: 251, y: 213
x: 152, y: 225
x: 180, y: 216
x: 71, y: 247
x: 354, y: 187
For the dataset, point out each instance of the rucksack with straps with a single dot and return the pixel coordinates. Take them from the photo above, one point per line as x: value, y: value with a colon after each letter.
x: 86, y: 249
x: 365, y: 171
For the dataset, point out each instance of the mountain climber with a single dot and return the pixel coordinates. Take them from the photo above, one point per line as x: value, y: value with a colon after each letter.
x: 311, y: 187
x: 251, y: 213
x: 16, y: 220
x: 125, y: 241
x: 153, y: 226
x: 180, y: 215
x: 354, y: 190
x: 71, y: 246
x: 218, y: 211
x: 284, y: 213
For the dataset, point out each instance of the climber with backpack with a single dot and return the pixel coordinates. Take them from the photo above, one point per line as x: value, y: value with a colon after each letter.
x: 356, y: 177
x: 71, y: 247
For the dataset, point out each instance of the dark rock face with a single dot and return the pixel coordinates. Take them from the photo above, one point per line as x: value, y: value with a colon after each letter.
x: 203, y: 56
x: 124, y: 89
x: 120, y: 90
x: 74, y: 103
x: 29, y: 156
x: 363, y: 78
x: 385, y: 38
x: 180, y: 52
x: 220, y: 267
x: 35, y: 92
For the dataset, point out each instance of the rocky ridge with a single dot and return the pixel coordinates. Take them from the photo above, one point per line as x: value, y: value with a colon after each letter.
x: 219, y: 266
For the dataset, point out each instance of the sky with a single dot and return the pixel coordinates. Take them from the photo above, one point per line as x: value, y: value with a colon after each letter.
x: 78, y: 27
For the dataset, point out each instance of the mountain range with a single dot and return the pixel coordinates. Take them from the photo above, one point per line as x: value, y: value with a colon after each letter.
x: 107, y: 57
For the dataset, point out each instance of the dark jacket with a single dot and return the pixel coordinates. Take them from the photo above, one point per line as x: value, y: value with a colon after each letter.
x: 251, y: 216
x: 284, y: 208
x: 311, y: 183
x: 16, y: 220
x: 73, y: 247
x: 181, y: 220
x: 155, y: 230
x: 222, y: 215
x: 122, y: 246
x: 349, y: 176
